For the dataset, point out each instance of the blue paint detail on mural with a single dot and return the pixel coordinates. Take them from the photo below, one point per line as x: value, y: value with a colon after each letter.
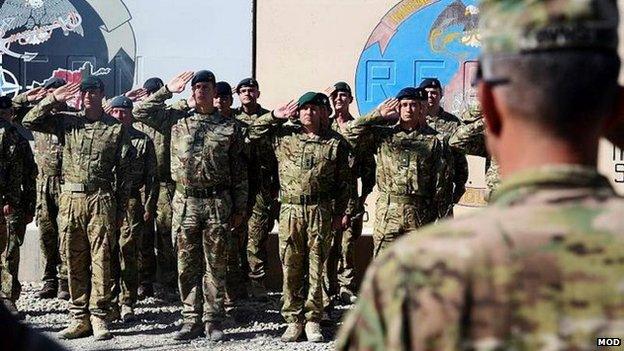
x: 410, y: 57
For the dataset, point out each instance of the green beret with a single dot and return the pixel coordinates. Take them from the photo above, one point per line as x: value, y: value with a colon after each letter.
x: 514, y: 26
x: 91, y: 82
x: 308, y: 98
x: 342, y: 86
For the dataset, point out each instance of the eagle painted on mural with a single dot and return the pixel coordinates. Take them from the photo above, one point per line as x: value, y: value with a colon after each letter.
x: 32, y: 22
x: 457, y: 22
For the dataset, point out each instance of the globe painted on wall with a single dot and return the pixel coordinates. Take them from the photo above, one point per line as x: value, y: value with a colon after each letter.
x: 419, y: 39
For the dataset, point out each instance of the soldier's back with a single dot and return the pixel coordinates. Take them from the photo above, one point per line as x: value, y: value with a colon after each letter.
x: 541, y: 268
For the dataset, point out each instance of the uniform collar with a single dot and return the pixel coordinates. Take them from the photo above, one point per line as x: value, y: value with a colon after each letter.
x: 552, y: 177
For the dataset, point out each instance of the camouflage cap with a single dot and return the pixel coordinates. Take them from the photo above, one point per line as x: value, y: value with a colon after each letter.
x: 121, y: 102
x: 514, y: 26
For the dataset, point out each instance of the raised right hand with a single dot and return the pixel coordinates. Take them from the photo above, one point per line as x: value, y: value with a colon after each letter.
x: 66, y: 92
x: 286, y: 111
x: 178, y: 83
x: 389, y: 109
x: 35, y: 94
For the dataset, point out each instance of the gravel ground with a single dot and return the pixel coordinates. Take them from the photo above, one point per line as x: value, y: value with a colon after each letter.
x: 250, y: 326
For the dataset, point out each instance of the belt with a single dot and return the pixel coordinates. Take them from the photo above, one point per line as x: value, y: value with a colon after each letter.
x: 404, y: 199
x: 312, y: 199
x: 84, y: 188
x: 201, y: 193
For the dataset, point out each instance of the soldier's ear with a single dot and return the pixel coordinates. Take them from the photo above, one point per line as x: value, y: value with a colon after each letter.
x: 493, y: 122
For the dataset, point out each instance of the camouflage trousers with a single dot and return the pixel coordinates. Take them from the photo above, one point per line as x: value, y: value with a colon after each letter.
x: 340, y: 265
x: 263, y: 215
x: 3, y: 244
x: 88, y: 223
x: 157, y: 254
x: 305, y: 237
x: 53, y: 256
x: 15, y: 229
x: 201, y: 228
x: 124, y: 260
x: 397, y: 215
x: 236, y: 263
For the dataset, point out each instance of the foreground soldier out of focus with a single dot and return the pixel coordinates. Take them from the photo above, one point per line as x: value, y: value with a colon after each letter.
x: 140, y: 211
x: 413, y: 167
x: 19, y: 203
x: 93, y: 199
x: 48, y: 156
x: 210, y: 197
x: 314, y: 186
x: 541, y: 268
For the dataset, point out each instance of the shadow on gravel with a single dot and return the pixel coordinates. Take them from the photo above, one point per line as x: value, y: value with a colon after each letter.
x: 46, y: 312
x: 48, y: 328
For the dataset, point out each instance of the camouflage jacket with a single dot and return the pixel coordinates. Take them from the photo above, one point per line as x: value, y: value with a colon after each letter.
x: 206, y: 150
x: 261, y: 157
x: 364, y: 162
x: 446, y: 124
x: 162, y: 147
x: 308, y: 165
x: 92, y: 150
x: 17, y: 170
x: 143, y: 168
x: 412, y: 163
x: 48, y: 147
x: 540, y: 269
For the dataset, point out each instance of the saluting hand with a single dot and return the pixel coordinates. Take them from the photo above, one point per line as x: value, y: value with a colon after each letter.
x: 178, y: 83
x: 66, y: 92
x: 136, y: 94
x: 35, y: 94
x: 389, y: 108
x: 286, y: 111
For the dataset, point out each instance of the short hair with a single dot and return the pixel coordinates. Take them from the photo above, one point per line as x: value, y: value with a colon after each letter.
x: 566, y: 91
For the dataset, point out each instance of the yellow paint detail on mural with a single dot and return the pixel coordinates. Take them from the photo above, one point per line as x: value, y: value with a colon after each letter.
x: 406, y: 9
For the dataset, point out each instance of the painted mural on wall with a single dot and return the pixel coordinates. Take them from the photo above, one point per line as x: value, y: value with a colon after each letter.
x: 418, y: 39
x: 68, y: 39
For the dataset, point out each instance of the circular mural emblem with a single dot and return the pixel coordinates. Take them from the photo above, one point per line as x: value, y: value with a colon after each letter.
x: 419, y: 39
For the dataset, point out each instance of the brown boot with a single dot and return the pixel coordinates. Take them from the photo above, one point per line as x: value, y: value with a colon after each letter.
x: 63, y: 290
x: 78, y: 328
x: 49, y: 290
x: 293, y: 332
x: 100, y: 328
x: 214, y: 331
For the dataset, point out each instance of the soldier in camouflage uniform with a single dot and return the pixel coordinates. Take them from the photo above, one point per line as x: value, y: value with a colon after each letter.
x: 314, y: 186
x: 340, y: 266
x: 413, y: 167
x: 469, y: 138
x: 263, y: 187
x: 21, y: 211
x: 158, y: 230
x: 210, y: 197
x: 142, y: 158
x: 94, y: 195
x: 48, y: 156
x: 541, y: 267
x: 445, y: 124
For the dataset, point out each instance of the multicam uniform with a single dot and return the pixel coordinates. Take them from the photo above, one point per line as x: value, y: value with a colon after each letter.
x: 142, y: 158
x: 412, y: 177
x: 314, y: 187
x: 94, y: 195
x: 211, y: 186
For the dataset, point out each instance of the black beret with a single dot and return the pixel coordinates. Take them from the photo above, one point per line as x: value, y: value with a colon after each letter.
x: 203, y: 76
x: 247, y: 82
x: 54, y: 83
x: 430, y: 83
x: 411, y: 93
x: 153, y: 84
x: 5, y: 102
x: 91, y: 82
x: 223, y: 88
x: 342, y: 86
x: 121, y: 101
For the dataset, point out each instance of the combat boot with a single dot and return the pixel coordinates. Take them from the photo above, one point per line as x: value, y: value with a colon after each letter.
x: 78, y: 328
x: 346, y: 296
x: 49, y: 290
x: 214, y: 331
x: 100, y: 329
x: 145, y: 290
x: 127, y: 314
x: 113, y: 314
x: 189, y: 331
x: 293, y: 332
x: 313, y: 332
x: 63, y: 290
